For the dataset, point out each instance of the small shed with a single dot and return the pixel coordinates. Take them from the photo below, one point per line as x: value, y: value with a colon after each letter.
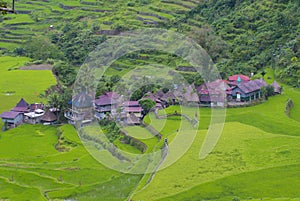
x: 48, y: 118
x: 277, y: 87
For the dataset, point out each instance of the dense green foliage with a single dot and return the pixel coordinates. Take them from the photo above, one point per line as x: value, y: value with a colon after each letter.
x: 257, y: 34
x: 147, y: 104
x: 240, y: 36
x: 76, y: 40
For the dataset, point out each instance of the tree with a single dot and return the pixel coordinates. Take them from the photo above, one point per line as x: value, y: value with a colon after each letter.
x: 136, y: 95
x: 41, y: 48
x: 269, y: 90
x: 147, y: 105
x: 60, y: 101
x: 4, y: 7
x: 65, y: 72
x: 76, y: 40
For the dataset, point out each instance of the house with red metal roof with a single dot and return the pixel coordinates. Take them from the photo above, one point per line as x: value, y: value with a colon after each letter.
x: 156, y: 98
x: 187, y: 95
x: 238, y: 79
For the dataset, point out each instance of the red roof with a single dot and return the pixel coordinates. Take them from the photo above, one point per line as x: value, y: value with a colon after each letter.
x: 235, y: 77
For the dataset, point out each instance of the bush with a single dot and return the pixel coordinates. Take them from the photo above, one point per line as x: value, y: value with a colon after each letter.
x: 130, y: 4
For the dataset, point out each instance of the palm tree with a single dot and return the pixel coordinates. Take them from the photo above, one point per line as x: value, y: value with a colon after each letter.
x: 54, y: 102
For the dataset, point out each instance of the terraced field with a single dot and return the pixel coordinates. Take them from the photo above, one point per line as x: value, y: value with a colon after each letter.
x: 35, y: 17
x: 35, y: 170
x: 256, y: 158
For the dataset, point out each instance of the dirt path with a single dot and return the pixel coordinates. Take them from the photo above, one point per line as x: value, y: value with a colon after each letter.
x: 37, y: 67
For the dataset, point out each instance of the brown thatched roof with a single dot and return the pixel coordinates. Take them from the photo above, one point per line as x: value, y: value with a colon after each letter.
x: 49, y: 116
x: 187, y: 93
x: 132, y: 119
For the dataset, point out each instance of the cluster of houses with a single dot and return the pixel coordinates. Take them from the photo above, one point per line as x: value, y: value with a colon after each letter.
x: 27, y: 113
x: 218, y: 93
x: 108, y: 105
x: 237, y: 89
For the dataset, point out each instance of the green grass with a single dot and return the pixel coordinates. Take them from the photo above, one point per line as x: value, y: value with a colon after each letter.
x: 143, y: 135
x: 126, y: 147
x: 258, y: 142
x: 247, y: 149
x: 27, y: 84
x: 257, y: 152
x: 260, y: 184
x: 36, y: 168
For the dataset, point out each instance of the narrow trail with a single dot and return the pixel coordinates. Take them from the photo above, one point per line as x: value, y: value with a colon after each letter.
x: 165, y: 152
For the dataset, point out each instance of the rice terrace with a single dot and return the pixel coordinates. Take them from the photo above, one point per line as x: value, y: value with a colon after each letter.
x: 147, y: 126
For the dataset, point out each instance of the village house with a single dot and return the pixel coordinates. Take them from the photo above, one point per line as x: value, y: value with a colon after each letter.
x: 23, y: 113
x: 187, y: 95
x: 33, y: 117
x: 214, y: 93
x: 48, y: 118
x: 155, y: 97
x: 107, y: 104
x: 82, y: 111
x: 162, y: 99
x: 22, y: 107
x: 248, y: 91
x: 11, y: 119
x: 132, y: 112
x: 15, y: 117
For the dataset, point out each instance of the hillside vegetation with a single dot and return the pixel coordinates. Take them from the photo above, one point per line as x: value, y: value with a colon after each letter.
x: 240, y: 36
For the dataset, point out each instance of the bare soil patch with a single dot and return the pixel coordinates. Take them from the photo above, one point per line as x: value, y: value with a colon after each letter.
x: 37, y: 67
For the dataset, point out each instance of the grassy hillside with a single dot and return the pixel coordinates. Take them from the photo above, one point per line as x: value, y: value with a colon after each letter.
x: 16, y: 84
x: 36, y: 17
x: 240, y: 36
x: 37, y: 171
x: 256, y: 157
x: 258, y: 154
